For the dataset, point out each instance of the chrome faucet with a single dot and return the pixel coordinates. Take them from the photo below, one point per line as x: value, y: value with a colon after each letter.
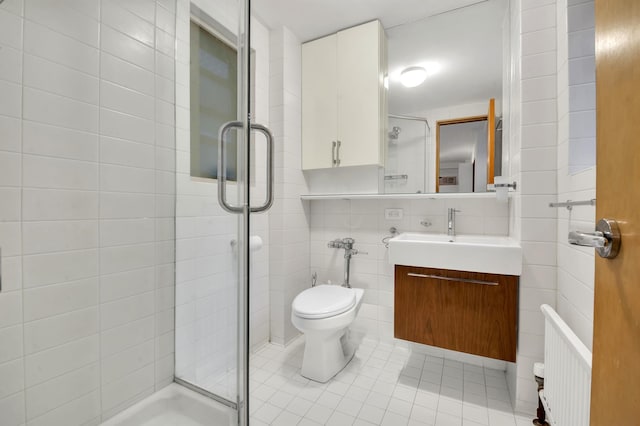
x: 349, y: 251
x: 451, y: 222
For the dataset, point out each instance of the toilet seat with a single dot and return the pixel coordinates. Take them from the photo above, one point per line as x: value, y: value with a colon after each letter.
x: 323, y: 301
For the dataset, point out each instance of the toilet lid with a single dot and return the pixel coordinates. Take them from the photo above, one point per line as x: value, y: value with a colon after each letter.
x: 323, y: 301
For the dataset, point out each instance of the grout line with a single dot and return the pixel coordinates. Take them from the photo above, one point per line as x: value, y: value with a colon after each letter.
x: 24, y: 346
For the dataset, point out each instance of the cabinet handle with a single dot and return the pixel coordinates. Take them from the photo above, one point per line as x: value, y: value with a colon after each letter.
x: 333, y: 153
x: 338, y: 154
x: 461, y: 280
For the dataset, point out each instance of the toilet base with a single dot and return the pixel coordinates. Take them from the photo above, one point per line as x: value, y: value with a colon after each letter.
x: 326, y: 354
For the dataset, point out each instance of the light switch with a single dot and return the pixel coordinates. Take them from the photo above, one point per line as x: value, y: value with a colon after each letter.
x: 393, y: 214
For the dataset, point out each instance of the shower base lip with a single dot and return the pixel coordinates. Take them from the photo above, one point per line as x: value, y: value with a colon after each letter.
x: 173, y: 405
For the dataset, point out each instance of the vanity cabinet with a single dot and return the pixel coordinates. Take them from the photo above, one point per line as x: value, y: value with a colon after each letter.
x: 344, y: 105
x: 468, y: 312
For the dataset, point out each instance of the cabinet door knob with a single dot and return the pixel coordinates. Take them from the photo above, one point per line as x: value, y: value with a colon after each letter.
x: 338, y: 154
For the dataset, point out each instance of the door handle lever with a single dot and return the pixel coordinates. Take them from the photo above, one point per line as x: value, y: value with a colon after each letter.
x: 587, y: 239
x: 606, y: 239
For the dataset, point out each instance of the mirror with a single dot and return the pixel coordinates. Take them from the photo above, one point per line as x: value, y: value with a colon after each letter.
x: 463, y: 46
x: 468, y: 152
x: 462, y: 53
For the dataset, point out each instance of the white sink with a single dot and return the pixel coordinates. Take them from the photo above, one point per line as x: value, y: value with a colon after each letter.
x: 474, y: 253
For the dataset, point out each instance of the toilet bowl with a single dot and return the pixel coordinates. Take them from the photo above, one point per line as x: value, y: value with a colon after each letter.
x: 323, y: 313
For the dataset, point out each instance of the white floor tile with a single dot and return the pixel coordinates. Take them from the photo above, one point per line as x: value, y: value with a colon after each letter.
x: 382, y: 385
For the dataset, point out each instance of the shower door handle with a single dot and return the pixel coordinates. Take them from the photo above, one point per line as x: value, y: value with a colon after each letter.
x: 222, y: 166
x: 269, y: 201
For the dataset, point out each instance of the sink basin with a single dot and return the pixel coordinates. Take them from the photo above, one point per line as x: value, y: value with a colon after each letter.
x: 474, y: 253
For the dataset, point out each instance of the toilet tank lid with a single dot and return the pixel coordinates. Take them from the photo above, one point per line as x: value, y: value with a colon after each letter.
x: 323, y: 301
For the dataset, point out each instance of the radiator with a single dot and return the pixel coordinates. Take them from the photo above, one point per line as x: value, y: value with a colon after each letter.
x: 567, y: 373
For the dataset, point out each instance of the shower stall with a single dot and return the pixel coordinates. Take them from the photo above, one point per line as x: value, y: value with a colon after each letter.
x: 133, y: 168
x: 406, y: 168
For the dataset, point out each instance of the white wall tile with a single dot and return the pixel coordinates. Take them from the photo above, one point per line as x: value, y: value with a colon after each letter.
x: 52, y: 268
x: 10, y: 64
x: 128, y: 23
x: 119, y: 98
x: 127, y: 48
x: 126, y: 179
x: 48, y: 333
x: 126, y: 74
x: 61, y: 390
x: 55, y: 138
x: 53, y: 109
x: 116, y: 393
x: 83, y: 410
x: 12, y: 409
x: 126, y: 310
x: 12, y: 374
x: 56, y: 47
x: 54, y: 141
x: 10, y: 308
x: 11, y: 29
x: 120, y: 338
x: 538, y: 18
x: 47, y: 172
x: 50, y: 363
x: 62, y: 19
x: 51, y: 77
x: 11, y: 99
x: 128, y: 361
x: 10, y: 343
x: 43, y: 237
x: 124, y: 126
x: 57, y: 299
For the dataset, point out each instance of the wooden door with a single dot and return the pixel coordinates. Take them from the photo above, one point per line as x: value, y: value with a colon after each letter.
x: 615, y: 388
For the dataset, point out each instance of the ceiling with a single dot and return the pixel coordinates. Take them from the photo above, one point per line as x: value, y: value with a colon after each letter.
x: 463, y: 36
x: 310, y: 19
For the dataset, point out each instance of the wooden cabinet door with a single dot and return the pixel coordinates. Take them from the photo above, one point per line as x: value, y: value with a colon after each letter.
x: 467, y: 312
x: 319, y: 102
x: 359, y: 105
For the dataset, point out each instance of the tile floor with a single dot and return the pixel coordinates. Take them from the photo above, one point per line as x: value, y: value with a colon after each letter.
x: 382, y: 385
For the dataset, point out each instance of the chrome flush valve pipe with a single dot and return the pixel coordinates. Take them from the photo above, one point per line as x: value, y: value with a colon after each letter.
x: 349, y: 251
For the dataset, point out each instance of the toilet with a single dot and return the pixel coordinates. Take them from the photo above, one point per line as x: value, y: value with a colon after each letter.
x: 323, y: 313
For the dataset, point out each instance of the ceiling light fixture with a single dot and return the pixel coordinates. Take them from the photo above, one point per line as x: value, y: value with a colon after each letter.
x: 413, y: 76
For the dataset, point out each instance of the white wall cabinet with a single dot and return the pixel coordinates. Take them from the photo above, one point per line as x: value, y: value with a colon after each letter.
x: 344, y: 101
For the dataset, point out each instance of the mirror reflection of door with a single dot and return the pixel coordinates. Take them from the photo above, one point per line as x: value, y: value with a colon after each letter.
x: 466, y: 152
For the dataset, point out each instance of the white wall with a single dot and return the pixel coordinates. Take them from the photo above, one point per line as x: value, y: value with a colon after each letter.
x: 87, y: 203
x: 206, y: 263
x: 533, y: 139
x: 576, y: 103
x: 289, y: 224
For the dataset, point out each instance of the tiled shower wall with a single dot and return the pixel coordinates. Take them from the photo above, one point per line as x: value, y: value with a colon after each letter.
x: 87, y: 158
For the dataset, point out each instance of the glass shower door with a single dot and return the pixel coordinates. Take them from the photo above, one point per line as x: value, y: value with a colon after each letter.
x: 230, y: 163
